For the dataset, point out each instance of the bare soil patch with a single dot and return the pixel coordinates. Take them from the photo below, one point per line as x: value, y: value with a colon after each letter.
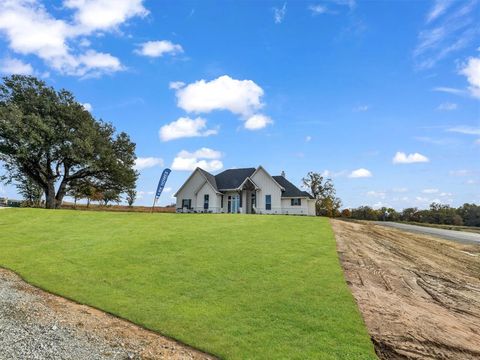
x: 38, y: 325
x: 419, y: 295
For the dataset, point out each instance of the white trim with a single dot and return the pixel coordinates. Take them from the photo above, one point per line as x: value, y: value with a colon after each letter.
x: 253, y: 182
x: 191, y: 175
x: 271, y: 177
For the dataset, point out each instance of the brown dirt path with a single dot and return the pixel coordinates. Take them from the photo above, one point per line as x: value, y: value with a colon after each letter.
x: 419, y: 295
x: 35, y: 324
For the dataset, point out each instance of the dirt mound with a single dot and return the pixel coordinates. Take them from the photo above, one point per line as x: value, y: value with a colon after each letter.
x: 419, y: 295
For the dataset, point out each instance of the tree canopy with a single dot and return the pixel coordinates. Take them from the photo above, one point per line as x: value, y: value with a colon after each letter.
x: 48, y: 137
x: 323, y: 190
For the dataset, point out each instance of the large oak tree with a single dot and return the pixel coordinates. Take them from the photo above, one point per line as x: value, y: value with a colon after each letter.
x: 48, y: 137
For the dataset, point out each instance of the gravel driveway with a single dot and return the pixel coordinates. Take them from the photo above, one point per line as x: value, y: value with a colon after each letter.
x: 37, y: 325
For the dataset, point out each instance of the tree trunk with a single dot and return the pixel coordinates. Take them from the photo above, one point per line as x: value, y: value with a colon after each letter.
x: 62, y: 189
x: 50, y: 201
x: 59, y: 198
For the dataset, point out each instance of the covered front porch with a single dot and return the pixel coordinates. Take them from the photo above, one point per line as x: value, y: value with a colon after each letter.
x: 242, y: 200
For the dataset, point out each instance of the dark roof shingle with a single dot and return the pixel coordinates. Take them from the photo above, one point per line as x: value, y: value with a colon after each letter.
x: 210, y: 178
x: 232, y: 178
x: 290, y: 189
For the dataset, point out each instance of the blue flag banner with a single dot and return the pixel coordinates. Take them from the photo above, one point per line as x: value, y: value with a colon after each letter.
x: 162, y: 182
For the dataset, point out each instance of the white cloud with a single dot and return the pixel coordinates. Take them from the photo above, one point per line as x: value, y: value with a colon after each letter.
x: 185, y: 127
x: 400, y: 190
x: 205, y: 158
x: 430, y: 191
x: 376, y: 194
x: 159, y: 48
x: 448, y: 90
x: 318, y: 9
x: 241, y: 97
x: 94, y: 15
x: 31, y: 30
x: 402, y: 158
x: 361, y: 108
x: 453, y: 31
x: 257, y: 122
x: 93, y: 63
x: 422, y: 199
x: 87, y: 106
x: 462, y: 172
x: 147, y: 162
x: 279, y: 13
x: 11, y: 66
x: 205, y: 153
x: 360, y: 173
x: 467, y: 130
x: 439, y: 7
x: 443, y: 194
x: 308, y: 138
x: 472, y: 71
x: 447, y: 106
x: 176, y: 85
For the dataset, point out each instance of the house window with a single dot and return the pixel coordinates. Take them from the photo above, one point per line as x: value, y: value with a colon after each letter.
x: 186, y: 203
x: 205, y: 201
x: 268, y: 202
x: 221, y: 202
x: 296, y: 202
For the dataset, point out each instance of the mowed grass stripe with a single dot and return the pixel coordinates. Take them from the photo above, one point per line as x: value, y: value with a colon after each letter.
x: 239, y: 287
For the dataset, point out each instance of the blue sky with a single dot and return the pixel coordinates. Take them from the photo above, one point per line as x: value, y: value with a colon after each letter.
x: 384, y: 97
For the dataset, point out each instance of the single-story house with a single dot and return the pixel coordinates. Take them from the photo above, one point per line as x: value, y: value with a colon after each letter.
x: 243, y: 191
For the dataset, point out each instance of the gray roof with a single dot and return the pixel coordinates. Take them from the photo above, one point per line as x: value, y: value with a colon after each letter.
x: 210, y: 178
x: 233, y: 178
x: 290, y: 189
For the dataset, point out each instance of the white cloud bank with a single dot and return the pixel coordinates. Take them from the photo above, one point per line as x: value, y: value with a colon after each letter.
x: 11, y: 66
x: 360, y: 173
x: 31, y: 30
x: 403, y: 158
x: 240, y: 97
x: 205, y: 158
x: 147, y: 162
x: 185, y: 127
x: 472, y: 71
x: 159, y: 48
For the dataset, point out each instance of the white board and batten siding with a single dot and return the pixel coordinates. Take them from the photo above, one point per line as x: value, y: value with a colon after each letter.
x: 194, y: 189
x: 306, y: 207
x: 267, y: 186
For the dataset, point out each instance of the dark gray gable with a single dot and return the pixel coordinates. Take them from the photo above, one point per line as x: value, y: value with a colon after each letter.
x: 232, y: 178
x: 290, y: 189
x: 210, y: 178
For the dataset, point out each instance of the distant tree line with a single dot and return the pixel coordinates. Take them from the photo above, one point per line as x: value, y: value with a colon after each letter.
x: 467, y: 214
x: 328, y: 204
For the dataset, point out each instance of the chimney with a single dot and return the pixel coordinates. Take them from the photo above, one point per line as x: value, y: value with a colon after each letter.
x: 283, y: 173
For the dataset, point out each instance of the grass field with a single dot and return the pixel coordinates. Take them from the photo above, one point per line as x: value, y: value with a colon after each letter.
x: 239, y: 287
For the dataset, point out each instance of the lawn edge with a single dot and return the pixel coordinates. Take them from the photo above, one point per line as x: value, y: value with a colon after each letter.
x: 142, y: 326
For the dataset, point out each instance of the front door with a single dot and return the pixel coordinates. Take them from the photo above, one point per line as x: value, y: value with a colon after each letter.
x: 233, y: 204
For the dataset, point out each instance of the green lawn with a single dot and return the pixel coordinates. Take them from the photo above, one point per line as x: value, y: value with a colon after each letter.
x: 239, y: 287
